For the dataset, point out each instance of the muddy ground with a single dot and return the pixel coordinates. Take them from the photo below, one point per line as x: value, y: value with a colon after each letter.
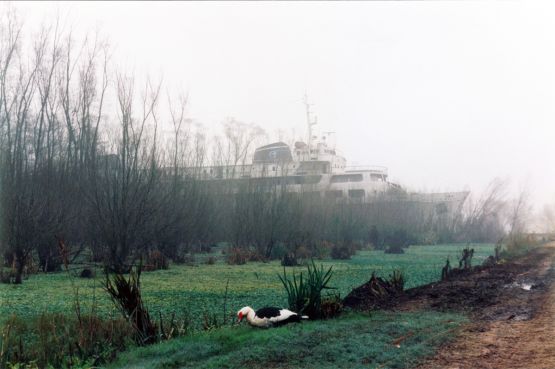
x: 511, y: 308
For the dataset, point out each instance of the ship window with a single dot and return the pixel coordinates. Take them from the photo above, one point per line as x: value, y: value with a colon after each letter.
x: 441, y: 208
x: 292, y: 180
x: 376, y: 177
x: 346, y: 178
x: 310, y: 179
x: 334, y: 194
x: 356, y: 194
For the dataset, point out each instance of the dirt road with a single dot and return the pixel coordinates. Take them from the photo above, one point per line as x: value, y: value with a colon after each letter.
x: 516, y: 333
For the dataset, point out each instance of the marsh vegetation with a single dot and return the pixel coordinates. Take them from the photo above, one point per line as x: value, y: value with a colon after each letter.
x: 112, y: 237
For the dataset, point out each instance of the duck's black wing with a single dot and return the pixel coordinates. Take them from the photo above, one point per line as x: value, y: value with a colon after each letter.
x: 268, y: 312
x: 278, y: 316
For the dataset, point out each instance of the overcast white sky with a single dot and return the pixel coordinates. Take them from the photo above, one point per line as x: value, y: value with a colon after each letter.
x: 448, y: 95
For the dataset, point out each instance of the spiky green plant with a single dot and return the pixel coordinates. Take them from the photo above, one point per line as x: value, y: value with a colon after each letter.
x: 304, y: 295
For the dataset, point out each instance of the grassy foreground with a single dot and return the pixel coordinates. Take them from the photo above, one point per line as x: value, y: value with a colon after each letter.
x: 380, y: 340
x: 193, y: 290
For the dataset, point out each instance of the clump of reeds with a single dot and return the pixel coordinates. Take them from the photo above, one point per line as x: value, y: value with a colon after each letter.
x: 126, y: 295
x: 304, y: 293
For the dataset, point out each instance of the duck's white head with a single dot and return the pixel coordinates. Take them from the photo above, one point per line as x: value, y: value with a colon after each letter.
x: 244, y: 312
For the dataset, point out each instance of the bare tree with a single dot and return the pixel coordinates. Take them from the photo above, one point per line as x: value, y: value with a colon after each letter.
x: 18, y: 87
x: 483, y: 220
x: 34, y: 178
x: 123, y: 194
x: 237, y: 144
x: 519, y: 214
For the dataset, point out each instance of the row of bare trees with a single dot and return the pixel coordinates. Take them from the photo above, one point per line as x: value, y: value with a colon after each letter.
x: 495, y: 214
x: 86, y: 156
x: 64, y: 173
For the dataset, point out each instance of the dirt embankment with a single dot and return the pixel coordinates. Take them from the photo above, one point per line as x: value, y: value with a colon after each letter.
x: 517, y: 330
x: 511, y: 307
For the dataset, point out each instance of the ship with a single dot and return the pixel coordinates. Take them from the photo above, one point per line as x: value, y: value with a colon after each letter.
x: 315, y: 169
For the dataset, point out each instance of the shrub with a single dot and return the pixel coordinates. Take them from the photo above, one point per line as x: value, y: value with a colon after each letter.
x: 342, y: 251
x: 321, y: 249
x: 517, y: 245
x: 305, y: 294
x: 236, y: 256
x: 489, y: 261
x: 289, y: 260
x: 429, y: 238
x: 156, y: 260
x: 255, y: 256
x: 127, y: 297
x: 465, y: 260
x: 397, y: 280
x: 49, y: 259
x: 56, y: 340
x: 184, y: 259
x: 397, y: 240
x: 331, y: 306
x: 7, y: 277
x: 87, y: 273
x: 303, y: 252
x: 210, y: 321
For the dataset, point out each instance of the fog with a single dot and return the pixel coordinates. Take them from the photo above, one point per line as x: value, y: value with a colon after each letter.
x: 448, y: 96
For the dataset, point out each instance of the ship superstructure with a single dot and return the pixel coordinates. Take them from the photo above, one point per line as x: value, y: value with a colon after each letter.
x: 315, y: 168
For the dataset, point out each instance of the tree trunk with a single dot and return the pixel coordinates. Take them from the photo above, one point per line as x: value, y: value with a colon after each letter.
x: 19, y: 266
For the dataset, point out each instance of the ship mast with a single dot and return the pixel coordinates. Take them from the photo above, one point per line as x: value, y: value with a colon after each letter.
x: 309, y: 122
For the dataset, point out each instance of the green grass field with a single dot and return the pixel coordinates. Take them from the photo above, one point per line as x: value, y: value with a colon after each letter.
x: 378, y: 340
x: 353, y: 340
x: 191, y: 290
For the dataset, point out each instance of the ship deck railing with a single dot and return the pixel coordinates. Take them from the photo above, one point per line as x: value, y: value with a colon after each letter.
x: 367, y: 168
